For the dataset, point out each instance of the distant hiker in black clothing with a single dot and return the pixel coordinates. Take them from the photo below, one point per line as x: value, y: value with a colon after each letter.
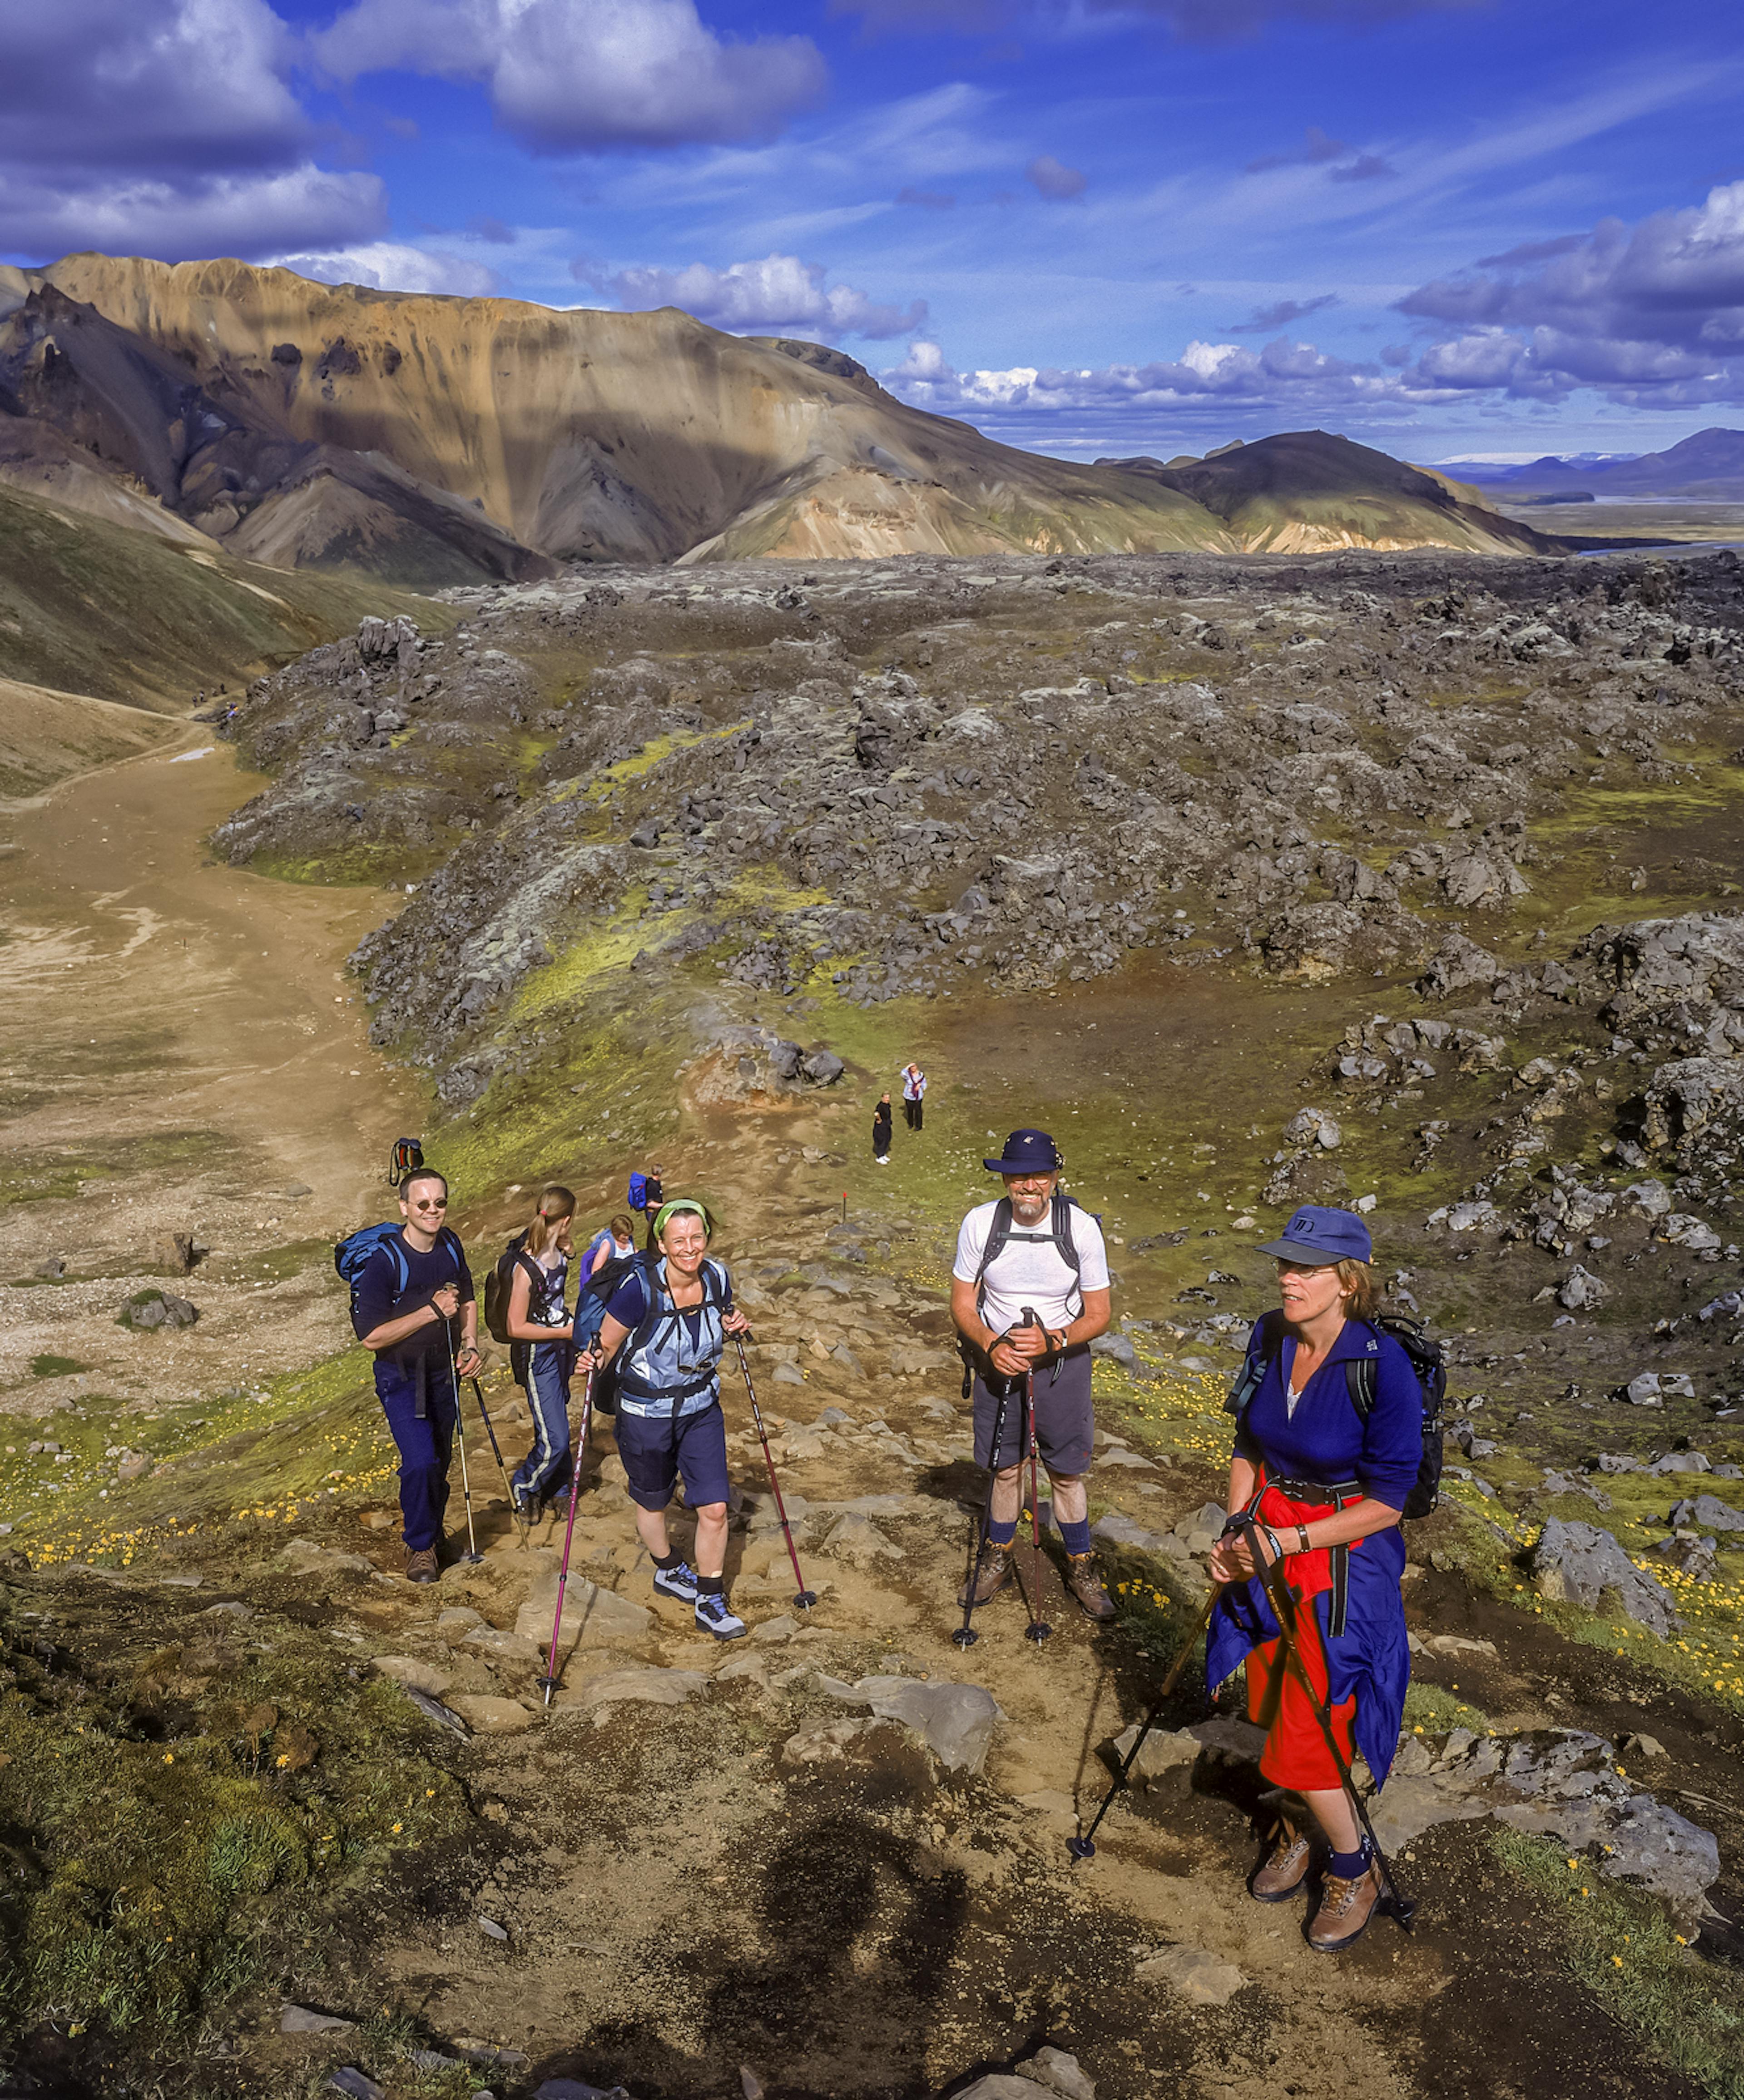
x: 410, y: 1296
x: 541, y: 1353
x: 913, y: 1096
x: 881, y: 1131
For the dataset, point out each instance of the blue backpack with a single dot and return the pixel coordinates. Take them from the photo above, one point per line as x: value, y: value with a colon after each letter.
x: 351, y: 1256
x: 638, y: 1197
x: 590, y: 1300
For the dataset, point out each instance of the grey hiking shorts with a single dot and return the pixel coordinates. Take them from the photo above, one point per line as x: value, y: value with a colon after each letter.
x: 1065, y: 1418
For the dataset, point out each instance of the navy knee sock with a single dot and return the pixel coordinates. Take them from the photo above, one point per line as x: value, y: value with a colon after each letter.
x: 1350, y: 1866
x: 1001, y: 1534
x: 1077, y: 1535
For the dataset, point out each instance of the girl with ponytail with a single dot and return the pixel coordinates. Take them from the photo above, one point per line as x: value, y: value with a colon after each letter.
x: 541, y: 1353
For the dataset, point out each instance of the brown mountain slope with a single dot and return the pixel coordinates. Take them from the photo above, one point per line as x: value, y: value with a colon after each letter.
x: 1308, y: 491
x: 589, y: 434
x: 438, y: 440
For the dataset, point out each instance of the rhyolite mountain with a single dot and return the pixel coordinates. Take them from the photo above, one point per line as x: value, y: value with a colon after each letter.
x: 435, y: 441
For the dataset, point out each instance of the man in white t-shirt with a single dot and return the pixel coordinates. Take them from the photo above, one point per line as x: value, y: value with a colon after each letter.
x: 1033, y: 1251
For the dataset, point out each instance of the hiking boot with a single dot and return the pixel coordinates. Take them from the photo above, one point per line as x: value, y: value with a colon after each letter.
x: 715, y: 1616
x: 1084, y: 1579
x: 1285, y: 1868
x: 420, y: 1566
x: 679, y: 1582
x: 995, y: 1572
x: 1346, y: 1909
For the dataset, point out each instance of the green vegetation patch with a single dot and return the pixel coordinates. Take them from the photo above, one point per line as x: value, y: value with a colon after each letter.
x: 177, y: 1818
x: 87, y: 606
x: 51, y: 1367
x: 1622, y: 1947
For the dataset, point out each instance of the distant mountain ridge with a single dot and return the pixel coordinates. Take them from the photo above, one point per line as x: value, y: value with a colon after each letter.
x: 1707, y: 466
x: 432, y: 441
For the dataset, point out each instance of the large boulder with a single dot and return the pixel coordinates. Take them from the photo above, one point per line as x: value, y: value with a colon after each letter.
x: 1580, y: 1563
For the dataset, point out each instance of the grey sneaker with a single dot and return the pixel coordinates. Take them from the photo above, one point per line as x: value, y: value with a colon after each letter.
x: 679, y: 1582
x: 715, y: 1616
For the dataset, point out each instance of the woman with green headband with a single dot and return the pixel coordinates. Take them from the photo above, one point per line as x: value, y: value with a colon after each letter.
x: 670, y: 1316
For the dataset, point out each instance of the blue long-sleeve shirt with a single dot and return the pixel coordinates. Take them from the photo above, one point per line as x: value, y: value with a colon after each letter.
x: 1327, y: 1441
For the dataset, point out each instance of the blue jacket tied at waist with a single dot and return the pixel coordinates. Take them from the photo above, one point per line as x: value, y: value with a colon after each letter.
x: 1327, y: 1441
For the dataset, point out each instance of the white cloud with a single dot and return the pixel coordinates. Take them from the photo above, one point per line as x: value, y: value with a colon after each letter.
x: 248, y: 215
x: 1651, y: 313
x: 390, y: 266
x: 165, y: 127
x: 779, y: 293
x: 193, y: 87
x: 586, y: 75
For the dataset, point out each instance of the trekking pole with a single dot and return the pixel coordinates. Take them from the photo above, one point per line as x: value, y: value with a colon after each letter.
x: 496, y: 1450
x: 1085, y: 1848
x: 471, y: 1556
x: 965, y: 1635
x: 1039, y: 1628
x: 549, y: 1682
x: 806, y: 1598
x: 1283, y: 1604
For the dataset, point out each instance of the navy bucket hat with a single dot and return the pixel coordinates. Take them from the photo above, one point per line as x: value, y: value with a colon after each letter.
x: 1027, y: 1151
x: 1319, y: 1233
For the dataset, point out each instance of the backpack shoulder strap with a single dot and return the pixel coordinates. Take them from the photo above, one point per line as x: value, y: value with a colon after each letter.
x: 1359, y: 1382
x: 1262, y: 1352
x: 998, y: 1232
x: 1061, y: 1221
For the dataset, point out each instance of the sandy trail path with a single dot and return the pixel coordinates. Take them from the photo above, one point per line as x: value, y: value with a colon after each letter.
x: 183, y: 1053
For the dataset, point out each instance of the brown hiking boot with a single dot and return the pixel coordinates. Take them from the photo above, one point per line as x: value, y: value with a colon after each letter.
x: 995, y: 1572
x: 1283, y: 1869
x: 1346, y: 1909
x: 421, y: 1567
x: 1084, y: 1579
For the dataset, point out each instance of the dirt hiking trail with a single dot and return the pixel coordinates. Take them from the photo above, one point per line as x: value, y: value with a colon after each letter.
x: 828, y: 1860
x: 183, y: 1054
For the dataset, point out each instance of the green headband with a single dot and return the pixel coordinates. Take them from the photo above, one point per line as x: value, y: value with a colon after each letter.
x: 680, y: 1203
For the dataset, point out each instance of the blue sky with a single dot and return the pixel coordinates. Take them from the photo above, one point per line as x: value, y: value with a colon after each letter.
x: 1443, y: 226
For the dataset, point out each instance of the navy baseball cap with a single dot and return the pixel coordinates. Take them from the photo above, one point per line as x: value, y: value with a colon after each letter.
x: 1318, y: 1233
x: 1027, y: 1151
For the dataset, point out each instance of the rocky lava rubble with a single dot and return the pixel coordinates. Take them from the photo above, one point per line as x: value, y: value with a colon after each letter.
x: 922, y: 775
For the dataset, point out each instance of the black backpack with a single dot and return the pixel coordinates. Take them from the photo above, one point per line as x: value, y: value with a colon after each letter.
x: 407, y: 1160
x: 1427, y: 1362
x: 501, y: 1281
x: 1059, y: 1231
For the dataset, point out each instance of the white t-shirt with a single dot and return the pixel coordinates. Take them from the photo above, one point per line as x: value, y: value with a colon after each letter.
x: 1030, y: 1269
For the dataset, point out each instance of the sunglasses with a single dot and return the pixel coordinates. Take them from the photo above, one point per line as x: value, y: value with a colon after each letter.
x: 436, y: 1203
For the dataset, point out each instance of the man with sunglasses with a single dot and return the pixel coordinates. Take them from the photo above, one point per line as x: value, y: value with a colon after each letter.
x: 414, y: 1306
x: 1033, y: 1251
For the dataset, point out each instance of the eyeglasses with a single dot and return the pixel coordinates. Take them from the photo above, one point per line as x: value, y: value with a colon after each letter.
x: 1030, y: 1180
x: 436, y: 1203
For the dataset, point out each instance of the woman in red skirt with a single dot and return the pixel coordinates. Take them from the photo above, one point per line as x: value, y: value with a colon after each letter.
x: 1328, y: 1445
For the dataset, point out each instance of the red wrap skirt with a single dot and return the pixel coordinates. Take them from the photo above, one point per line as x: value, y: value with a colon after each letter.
x: 1296, y: 1754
